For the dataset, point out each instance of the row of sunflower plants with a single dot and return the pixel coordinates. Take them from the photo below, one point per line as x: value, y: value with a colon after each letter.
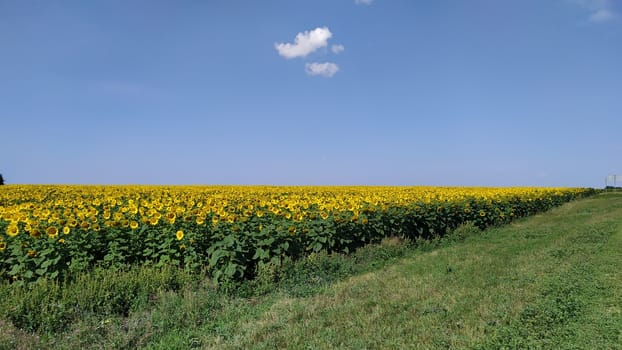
x: 230, y: 237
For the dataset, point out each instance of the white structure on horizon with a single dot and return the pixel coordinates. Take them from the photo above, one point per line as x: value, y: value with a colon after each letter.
x: 613, y: 181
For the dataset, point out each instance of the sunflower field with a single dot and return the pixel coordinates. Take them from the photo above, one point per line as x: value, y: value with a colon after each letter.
x: 50, y: 231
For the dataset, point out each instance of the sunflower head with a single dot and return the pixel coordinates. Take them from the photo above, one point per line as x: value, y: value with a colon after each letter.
x: 52, y: 232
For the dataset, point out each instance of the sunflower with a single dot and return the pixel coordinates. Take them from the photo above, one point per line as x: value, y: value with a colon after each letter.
x: 52, y: 232
x: 2, y: 246
x: 35, y: 233
x: 179, y: 235
x: 12, y: 230
x: 66, y: 230
x: 133, y: 225
x: 170, y: 217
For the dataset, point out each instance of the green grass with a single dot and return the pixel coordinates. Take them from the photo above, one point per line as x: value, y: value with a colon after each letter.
x: 552, y: 281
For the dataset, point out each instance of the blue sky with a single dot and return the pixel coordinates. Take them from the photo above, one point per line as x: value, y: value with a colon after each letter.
x: 315, y: 92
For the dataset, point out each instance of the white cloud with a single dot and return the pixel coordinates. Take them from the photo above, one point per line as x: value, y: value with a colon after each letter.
x: 305, y: 43
x: 337, y: 49
x: 326, y: 69
x: 365, y: 2
x: 601, y: 10
x: 602, y: 16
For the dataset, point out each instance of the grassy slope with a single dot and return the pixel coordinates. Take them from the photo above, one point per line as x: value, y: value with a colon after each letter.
x: 551, y: 281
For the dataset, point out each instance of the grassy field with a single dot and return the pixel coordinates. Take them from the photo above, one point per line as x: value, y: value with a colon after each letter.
x: 552, y: 281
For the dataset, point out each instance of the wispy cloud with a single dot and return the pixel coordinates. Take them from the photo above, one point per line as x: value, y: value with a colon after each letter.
x: 337, y: 49
x: 305, y: 43
x: 364, y: 2
x: 326, y: 69
x: 600, y: 10
x: 602, y: 16
x: 125, y: 88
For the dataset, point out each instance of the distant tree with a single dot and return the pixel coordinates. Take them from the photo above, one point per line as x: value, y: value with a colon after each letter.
x: 1, y: 180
